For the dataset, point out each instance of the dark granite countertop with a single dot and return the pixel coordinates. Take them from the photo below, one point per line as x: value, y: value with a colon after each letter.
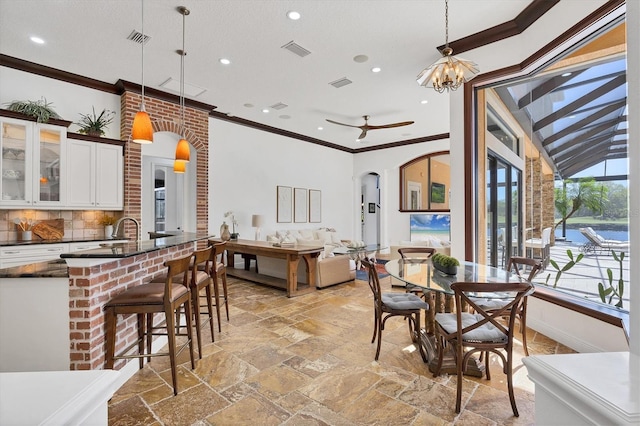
x: 52, y: 269
x: 133, y: 248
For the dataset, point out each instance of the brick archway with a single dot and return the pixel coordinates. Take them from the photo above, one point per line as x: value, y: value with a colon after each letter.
x: 165, y: 116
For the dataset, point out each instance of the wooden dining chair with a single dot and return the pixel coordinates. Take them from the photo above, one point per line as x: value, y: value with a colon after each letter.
x: 416, y: 253
x: 482, y: 331
x: 392, y: 304
x: 523, y: 267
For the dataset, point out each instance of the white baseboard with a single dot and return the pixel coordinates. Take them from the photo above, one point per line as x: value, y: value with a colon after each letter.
x: 561, y: 336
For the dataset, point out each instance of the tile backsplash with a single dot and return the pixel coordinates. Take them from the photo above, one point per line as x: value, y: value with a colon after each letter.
x: 77, y: 223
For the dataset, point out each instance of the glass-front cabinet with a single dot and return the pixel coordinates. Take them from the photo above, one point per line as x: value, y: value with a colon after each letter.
x: 30, y: 167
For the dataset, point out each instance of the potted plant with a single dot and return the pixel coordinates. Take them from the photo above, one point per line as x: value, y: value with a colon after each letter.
x: 41, y: 110
x: 93, y: 124
x: 445, y: 264
x: 108, y: 222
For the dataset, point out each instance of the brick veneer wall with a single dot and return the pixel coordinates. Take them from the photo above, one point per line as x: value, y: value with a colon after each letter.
x: 541, y: 192
x: 165, y: 116
x: 90, y: 288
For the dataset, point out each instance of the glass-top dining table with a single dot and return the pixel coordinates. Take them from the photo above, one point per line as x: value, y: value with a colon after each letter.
x: 436, y: 286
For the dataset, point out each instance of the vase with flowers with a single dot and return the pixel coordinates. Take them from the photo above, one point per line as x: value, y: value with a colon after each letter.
x: 234, y: 235
x: 108, y: 222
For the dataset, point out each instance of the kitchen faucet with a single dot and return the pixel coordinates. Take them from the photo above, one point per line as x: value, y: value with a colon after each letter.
x: 116, y: 227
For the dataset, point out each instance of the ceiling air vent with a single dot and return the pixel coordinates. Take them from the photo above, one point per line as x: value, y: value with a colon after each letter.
x: 137, y: 37
x: 341, y: 82
x: 279, y: 105
x: 296, y: 48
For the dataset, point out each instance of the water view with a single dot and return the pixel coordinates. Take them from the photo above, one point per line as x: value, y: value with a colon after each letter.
x: 575, y: 236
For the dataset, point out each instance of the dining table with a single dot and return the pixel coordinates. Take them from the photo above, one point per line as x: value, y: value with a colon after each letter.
x: 420, y: 274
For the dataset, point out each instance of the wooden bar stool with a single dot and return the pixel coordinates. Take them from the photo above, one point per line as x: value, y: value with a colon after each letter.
x: 219, y: 271
x: 201, y: 280
x: 145, y: 300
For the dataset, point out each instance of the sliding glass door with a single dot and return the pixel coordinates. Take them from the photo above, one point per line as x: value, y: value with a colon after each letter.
x: 504, y: 231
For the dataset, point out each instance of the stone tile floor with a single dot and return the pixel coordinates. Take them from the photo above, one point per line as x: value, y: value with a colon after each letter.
x: 309, y: 361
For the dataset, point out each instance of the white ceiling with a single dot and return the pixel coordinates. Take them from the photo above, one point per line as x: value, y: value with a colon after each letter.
x: 89, y: 38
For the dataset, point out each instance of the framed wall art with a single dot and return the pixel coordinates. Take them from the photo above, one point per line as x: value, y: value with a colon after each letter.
x: 283, y: 204
x: 299, y: 204
x: 315, y: 206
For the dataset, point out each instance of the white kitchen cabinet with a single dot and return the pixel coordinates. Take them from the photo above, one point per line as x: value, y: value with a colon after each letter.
x: 94, y: 175
x: 25, y: 254
x: 33, y: 157
x: 32, y: 253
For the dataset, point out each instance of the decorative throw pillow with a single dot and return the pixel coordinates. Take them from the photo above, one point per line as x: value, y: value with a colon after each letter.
x: 281, y: 234
x: 295, y: 234
x: 307, y: 234
x: 272, y: 239
x: 288, y: 239
x: 335, y: 239
x: 328, y: 250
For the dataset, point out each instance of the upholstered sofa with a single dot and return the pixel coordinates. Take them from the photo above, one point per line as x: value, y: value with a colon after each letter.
x: 332, y: 269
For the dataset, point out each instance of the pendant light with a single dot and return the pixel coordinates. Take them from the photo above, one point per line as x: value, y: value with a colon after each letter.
x: 449, y: 72
x: 142, y: 131
x: 182, y: 150
x: 179, y: 166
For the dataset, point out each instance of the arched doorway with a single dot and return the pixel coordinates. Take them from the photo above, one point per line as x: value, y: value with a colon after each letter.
x: 370, y: 208
x: 168, y: 198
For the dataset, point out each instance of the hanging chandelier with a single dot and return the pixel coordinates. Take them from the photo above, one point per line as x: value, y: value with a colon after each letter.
x: 449, y: 72
x: 182, y: 149
x: 142, y: 130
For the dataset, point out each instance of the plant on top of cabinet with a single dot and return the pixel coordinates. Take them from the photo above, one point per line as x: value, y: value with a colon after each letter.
x: 41, y: 110
x: 94, y: 125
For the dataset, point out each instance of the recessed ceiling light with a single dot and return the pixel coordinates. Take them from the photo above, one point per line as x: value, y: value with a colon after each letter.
x: 361, y: 58
x: 376, y: 69
x: 225, y: 61
x: 293, y: 15
x: 572, y: 116
x: 249, y: 105
x: 265, y: 110
x: 37, y: 40
x: 566, y: 74
x: 424, y: 101
x: 285, y: 116
x: 320, y: 128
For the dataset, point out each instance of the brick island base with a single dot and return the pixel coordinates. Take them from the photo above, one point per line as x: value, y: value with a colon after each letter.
x: 92, y: 283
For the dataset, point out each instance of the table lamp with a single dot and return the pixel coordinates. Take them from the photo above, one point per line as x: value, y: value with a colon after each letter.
x: 257, y: 220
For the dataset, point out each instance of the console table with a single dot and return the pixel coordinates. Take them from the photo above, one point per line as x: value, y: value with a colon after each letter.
x: 293, y: 255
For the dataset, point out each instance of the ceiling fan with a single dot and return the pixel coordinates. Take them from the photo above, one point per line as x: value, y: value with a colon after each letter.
x: 366, y: 127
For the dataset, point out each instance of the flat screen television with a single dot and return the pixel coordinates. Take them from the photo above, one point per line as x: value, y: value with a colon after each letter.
x: 426, y: 227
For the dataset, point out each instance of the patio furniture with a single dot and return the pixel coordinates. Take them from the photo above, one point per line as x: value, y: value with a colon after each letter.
x: 598, y: 244
x: 543, y: 244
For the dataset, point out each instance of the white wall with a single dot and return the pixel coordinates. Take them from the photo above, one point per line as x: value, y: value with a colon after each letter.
x: 633, y: 101
x: 68, y: 100
x: 394, y: 225
x: 246, y: 166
